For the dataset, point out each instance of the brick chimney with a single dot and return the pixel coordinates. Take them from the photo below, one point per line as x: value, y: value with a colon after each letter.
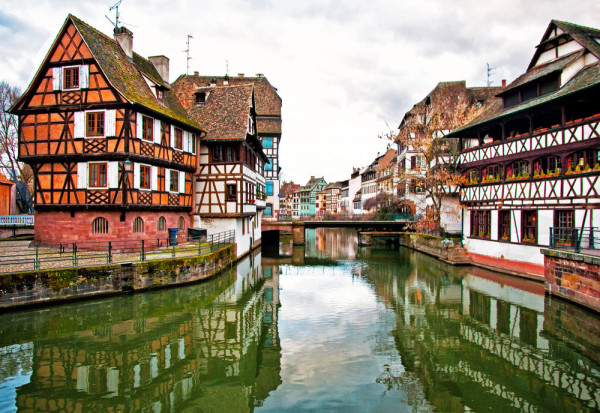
x: 161, y: 63
x: 125, y: 39
x: 503, y: 82
x: 241, y: 75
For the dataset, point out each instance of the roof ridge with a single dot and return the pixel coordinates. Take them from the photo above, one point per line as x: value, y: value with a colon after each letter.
x: 579, y: 26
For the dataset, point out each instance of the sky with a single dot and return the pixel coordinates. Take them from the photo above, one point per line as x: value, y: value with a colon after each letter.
x: 346, y: 70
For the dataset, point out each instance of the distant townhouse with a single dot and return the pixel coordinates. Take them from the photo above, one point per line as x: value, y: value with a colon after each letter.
x: 307, y: 196
x: 368, y: 183
x: 532, y: 160
x: 112, y: 150
x: 387, y: 173
x: 354, y: 191
x: 332, y: 197
x: 193, y: 90
x: 441, y: 109
x: 285, y: 204
x: 345, y: 206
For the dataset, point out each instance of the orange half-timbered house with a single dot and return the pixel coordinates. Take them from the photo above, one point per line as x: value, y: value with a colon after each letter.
x: 230, y: 181
x: 112, y: 149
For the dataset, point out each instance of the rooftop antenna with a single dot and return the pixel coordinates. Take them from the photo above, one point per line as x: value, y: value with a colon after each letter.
x: 187, y: 50
x: 114, y: 7
x: 227, y: 68
x: 490, y: 72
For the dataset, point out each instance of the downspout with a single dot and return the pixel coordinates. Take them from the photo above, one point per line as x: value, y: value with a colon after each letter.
x: 195, y: 174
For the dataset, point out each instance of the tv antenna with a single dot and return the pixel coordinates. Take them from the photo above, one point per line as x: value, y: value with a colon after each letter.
x: 114, y: 7
x: 490, y: 72
x: 187, y: 50
x: 227, y: 68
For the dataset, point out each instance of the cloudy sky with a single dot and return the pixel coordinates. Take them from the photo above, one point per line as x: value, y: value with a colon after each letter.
x: 347, y: 70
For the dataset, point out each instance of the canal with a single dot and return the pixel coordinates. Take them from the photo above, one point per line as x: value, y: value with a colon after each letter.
x: 326, y: 327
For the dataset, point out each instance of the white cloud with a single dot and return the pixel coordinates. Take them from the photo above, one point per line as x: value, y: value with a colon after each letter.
x: 343, y: 68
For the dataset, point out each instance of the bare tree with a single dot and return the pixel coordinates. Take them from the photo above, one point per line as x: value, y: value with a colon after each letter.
x: 9, y: 140
x: 434, y: 170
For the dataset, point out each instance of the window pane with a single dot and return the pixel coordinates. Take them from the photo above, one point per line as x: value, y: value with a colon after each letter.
x: 269, y: 188
x: 267, y: 143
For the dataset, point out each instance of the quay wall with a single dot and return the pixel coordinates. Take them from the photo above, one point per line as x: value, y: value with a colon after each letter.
x: 43, y: 287
x: 575, y: 277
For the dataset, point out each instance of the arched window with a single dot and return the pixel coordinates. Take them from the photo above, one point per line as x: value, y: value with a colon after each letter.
x: 547, y: 166
x: 138, y: 225
x: 472, y: 176
x: 181, y: 223
x: 162, y: 224
x: 492, y: 173
x: 517, y: 170
x: 583, y: 160
x: 100, y: 226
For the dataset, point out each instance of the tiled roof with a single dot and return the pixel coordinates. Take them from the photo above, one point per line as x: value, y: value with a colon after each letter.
x: 541, y: 71
x: 268, y: 102
x: 386, y: 159
x: 126, y: 75
x: 4, y: 180
x: 224, y: 115
x: 268, y: 125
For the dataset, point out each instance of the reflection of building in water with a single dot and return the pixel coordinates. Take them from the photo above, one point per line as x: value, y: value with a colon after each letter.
x: 337, y: 244
x: 484, y: 337
x: 191, y: 350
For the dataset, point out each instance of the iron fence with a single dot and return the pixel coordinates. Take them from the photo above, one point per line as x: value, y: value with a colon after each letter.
x: 576, y: 239
x: 17, y: 220
x: 18, y: 256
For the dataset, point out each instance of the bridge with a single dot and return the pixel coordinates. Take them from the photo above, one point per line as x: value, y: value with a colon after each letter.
x: 15, y: 222
x: 297, y: 228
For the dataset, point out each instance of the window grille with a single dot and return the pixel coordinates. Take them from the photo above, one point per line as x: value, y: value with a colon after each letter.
x: 162, y: 224
x: 138, y: 225
x: 100, y: 226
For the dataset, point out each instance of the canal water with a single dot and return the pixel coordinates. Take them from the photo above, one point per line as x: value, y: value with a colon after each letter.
x: 326, y: 327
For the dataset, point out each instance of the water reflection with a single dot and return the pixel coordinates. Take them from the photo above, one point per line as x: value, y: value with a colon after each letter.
x: 213, y: 345
x: 329, y: 326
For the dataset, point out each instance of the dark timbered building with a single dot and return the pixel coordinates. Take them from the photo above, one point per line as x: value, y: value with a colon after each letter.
x: 229, y: 181
x: 532, y: 160
x: 192, y: 91
x: 112, y: 149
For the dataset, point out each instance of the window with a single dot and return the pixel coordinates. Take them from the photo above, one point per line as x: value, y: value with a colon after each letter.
x: 225, y: 153
x: 267, y: 143
x: 193, y: 148
x: 200, y: 97
x: 159, y: 94
x: 94, y: 124
x: 529, y: 226
x: 269, y: 165
x: 97, y: 175
x: 178, y: 138
x: 480, y: 224
x: 504, y: 225
x: 71, y: 78
x: 162, y: 224
x: 144, y: 177
x: 181, y: 223
x: 583, y: 160
x: 100, y: 226
x: 268, y: 210
x: 492, y: 173
x: 231, y: 192
x: 147, y: 128
x: 547, y: 166
x: 138, y: 225
x: 174, y: 187
x: 269, y: 188
x: 518, y: 169
x: 564, y: 223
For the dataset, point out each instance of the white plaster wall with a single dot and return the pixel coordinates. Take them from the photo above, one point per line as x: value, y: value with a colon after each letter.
x: 494, y: 224
x: 353, y: 187
x: 450, y: 216
x: 216, y: 225
x: 515, y: 229
x: 545, y: 221
x: 569, y: 47
x: 515, y: 252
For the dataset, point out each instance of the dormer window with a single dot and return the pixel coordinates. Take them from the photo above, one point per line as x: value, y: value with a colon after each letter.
x: 200, y: 98
x: 159, y: 93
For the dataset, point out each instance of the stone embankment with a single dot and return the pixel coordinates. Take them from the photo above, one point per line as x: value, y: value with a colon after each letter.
x: 28, y: 288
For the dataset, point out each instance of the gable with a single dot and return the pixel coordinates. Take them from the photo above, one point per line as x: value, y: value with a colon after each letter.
x: 69, y: 46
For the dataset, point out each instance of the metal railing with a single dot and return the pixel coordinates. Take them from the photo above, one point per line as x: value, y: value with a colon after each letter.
x: 17, y: 220
x: 373, y: 216
x: 20, y: 257
x: 576, y: 239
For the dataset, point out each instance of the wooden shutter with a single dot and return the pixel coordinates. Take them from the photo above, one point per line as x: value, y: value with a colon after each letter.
x: 136, y: 175
x: 167, y: 179
x: 57, y: 78
x: 110, y: 122
x: 182, y: 182
x: 84, y: 76
x: 113, y: 174
x: 139, y: 124
x: 172, y: 129
x: 154, y: 178
x: 82, y: 175
x: 79, y: 129
x: 157, y: 131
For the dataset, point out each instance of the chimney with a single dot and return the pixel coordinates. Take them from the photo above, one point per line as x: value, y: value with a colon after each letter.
x: 503, y: 82
x: 196, y: 73
x: 125, y: 39
x: 240, y: 75
x: 161, y: 63
x: 260, y: 75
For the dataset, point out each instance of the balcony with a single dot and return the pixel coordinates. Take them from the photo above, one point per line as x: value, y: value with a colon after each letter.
x: 579, y: 130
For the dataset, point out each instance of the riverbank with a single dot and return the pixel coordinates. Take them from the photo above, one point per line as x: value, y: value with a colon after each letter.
x: 44, y: 287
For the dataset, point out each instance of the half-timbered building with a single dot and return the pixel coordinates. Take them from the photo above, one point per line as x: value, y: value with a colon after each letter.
x: 532, y: 160
x: 112, y: 150
x: 192, y: 90
x: 230, y: 175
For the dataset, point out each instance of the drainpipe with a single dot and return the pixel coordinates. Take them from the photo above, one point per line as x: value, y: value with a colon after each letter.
x: 195, y: 173
x: 462, y: 226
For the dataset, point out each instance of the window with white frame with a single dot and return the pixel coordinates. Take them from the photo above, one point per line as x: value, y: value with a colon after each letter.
x: 94, y: 123
x: 70, y: 77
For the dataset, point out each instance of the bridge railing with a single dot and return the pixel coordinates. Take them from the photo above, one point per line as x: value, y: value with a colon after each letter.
x: 350, y: 217
x: 17, y: 220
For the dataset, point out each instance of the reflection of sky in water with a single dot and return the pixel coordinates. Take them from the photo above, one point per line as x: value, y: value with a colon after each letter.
x: 331, y: 328
x: 15, y: 369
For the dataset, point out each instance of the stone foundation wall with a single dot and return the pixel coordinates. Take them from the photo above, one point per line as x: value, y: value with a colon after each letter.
x: 60, y: 227
x: 575, y: 277
x: 49, y: 286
